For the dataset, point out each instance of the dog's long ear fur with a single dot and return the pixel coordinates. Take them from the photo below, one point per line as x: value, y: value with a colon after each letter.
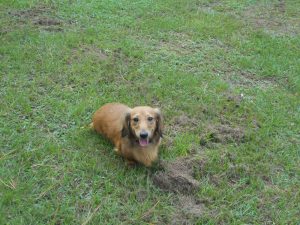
x: 126, y: 126
x: 159, y: 122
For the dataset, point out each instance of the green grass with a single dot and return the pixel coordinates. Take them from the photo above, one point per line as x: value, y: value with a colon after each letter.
x: 190, y: 58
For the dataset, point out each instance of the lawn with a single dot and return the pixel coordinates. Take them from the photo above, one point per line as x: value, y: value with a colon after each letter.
x: 225, y: 74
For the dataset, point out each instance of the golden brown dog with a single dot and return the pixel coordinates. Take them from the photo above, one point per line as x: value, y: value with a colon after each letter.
x: 136, y: 133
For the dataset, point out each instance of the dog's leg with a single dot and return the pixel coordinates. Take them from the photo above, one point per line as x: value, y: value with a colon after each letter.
x: 117, y: 147
x: 117, y: 150
x: 130, y: 163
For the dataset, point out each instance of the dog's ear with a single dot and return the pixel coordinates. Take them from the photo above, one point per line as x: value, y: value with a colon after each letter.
x: 126, y: 125
x: 159, y: 122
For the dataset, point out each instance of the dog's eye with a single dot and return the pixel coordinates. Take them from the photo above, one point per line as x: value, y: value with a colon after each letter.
x: 136, y: 119
x: 150, y: 119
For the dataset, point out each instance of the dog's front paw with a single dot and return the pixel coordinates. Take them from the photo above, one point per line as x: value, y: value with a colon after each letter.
x: 130, y: 163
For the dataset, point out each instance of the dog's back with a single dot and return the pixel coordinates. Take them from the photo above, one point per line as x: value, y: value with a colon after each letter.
x: 109, y: 119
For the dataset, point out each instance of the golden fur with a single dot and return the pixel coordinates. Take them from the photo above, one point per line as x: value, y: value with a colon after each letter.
x: 135, y: 132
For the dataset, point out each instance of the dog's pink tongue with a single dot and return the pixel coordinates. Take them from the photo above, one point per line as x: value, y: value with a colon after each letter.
x: 143, y: 142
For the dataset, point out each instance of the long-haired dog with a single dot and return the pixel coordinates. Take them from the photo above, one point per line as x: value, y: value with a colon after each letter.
x: 135, y: 132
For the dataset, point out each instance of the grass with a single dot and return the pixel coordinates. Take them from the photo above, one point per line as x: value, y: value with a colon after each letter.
x: 213, y: 63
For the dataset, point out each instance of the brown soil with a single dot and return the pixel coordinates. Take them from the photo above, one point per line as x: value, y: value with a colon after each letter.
x: 190, y: 205
x: 178, y: 176
x: 281, y: 6
x: 53, y: 29
x: 183, y: 123
x: 244, y: 78
x: 85, y: 50
x: 236, y: 172
x: 30, y: 13
x: 226, y: 134
x: 237, y: 99
x: 184, y: 120
x: 179, y: 44
x: 47, y: 22
x: 272, y: 18
x: 187, y: 210
x: 39, y: 16
x: 141, y: 195
x: 155, y: 102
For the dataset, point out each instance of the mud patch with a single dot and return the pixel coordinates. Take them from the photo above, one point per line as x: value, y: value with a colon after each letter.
x: 179, y: 176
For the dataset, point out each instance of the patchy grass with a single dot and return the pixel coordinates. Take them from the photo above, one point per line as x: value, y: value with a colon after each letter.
x: 224, y: 73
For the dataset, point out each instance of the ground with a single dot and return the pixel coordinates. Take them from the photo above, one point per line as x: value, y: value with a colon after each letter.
x: 226, y: 75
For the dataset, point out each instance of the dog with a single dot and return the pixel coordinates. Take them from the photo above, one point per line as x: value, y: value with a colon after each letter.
x: 135, y: 132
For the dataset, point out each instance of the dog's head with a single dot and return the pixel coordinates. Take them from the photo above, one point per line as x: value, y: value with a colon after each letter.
x: 143, y: 125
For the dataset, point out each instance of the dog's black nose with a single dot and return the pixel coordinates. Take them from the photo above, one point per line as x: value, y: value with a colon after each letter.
x: 144, y: 135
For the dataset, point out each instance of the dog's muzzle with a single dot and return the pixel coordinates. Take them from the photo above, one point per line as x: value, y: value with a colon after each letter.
x: 143, y: 140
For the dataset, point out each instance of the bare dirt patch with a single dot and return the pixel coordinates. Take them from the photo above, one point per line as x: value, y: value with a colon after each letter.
x: 239, y: 179
x: 244, y: 78
x: 47, y: 22
x: 155, y: 102
x: 222, y: 134
x: 209, y: 7
x: 85, y: 51
x: 190, y: 205
x: 141, y: 195
x: 179, y: 176
x: 184, y: 120
x: 250, y: 79
x: 120, y: 57
x: 30, y: 13
x: 53, y: 29
x: 179, y: 44
x: 182, y: 123
x: 188, y: 209
x: 236, y: 99
x: 39, y: 16
x: 226, y: 134
x: 272, y: 17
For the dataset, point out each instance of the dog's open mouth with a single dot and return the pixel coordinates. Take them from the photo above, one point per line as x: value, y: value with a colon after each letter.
x: 143, y: 142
